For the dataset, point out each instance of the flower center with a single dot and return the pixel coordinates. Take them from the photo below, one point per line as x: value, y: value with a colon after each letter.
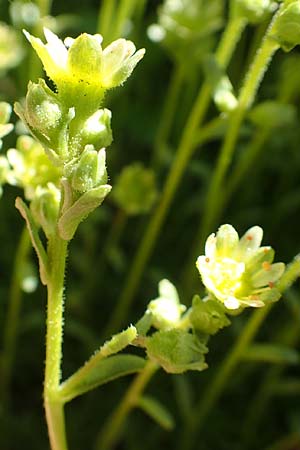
x: 226, y: 275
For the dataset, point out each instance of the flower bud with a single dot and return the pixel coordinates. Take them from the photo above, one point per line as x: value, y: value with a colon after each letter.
x: 176, y: 351
x: 90, y: 171
x: 42, y: 111
x: 286, y: 29
x: 254, y: 11
x: 208, y: 316
x: 271, y: 114
x: 97, y: 130
x: 135, y: 191
x: 166, y: 310
x: 45, y: 207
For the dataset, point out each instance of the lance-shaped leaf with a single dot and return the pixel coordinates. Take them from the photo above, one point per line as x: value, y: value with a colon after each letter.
x: 35, y: 239
x: 86, y: 203
x: 101, y: 372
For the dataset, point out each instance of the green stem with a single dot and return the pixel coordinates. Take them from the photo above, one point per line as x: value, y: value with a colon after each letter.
x: 182, y: 157
x: 57, y: 251
x: 110, y: 434
x: 168, y: 113
x: 124, y: 13
x: 106, y: 13
x: 246, y: 97
x: 13, y: 314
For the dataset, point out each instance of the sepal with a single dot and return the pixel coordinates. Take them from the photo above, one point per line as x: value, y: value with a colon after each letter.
x: 176, y: 351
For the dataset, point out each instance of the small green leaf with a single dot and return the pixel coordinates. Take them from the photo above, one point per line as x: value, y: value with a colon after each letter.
x: 91, y: 376
x: 86, y: 203
x: 157, y: 412
x: 176, y: 351
x: 35, y: 239
x: 269, y: 353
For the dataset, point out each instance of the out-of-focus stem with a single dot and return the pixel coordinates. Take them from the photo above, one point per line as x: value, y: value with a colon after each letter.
x: 12, y: 321
x: 184, y: 152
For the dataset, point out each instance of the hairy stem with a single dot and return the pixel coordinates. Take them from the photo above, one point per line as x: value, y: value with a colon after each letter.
x: 57, y: 251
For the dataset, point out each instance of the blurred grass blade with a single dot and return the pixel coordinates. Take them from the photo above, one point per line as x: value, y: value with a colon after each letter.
x: 156, y: 411
x: 276, y: 354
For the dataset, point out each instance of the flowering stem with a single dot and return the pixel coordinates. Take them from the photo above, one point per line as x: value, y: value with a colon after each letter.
x: 215, y: 389
x: 111, y: 430
x: 182, y: 157
x: 13, y: 314
x: 168, y: 113
x: 57, y: 251
x: 246, y: 98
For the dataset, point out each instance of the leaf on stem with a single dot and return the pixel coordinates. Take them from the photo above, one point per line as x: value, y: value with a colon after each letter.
x: 102, y: 372
x: 86, y: 203
x: 35, y: 239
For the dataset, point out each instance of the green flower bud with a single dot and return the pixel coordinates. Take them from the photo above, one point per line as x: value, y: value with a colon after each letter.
x: 176, y: 351
x: 90, y: 171
x: 254, y: 11
x: 45, y: 207
x: 166, y: 310
x: 208, y: 316
x: 97, y: 130
x: 135, y: 190
x: 188, y: 26
x: 42, y: 111
x: 286, y: 29
x: 238, y: 272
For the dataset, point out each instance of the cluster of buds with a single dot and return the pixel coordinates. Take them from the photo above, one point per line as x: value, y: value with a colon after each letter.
x: 188, y: 26
x: 135, y: 190
x: 70, y: 123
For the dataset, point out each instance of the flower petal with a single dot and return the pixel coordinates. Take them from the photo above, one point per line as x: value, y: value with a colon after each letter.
x: 262, y: 255
x: 210, y: 246
x: 250, y: 242
x: 232, y: 303
x: 227, y: 240
x: 269, y: 274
